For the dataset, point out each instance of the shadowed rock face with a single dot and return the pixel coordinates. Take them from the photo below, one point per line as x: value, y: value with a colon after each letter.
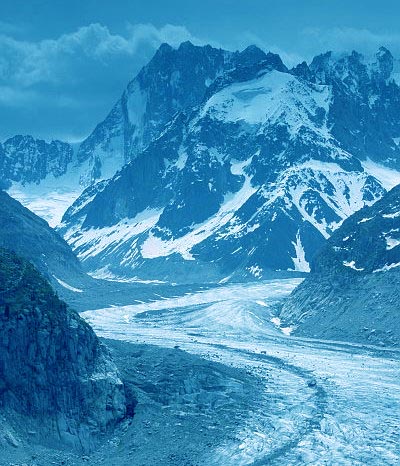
x: 53, y: 369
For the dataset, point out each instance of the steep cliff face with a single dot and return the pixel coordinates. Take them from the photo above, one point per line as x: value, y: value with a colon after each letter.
x: 53, y: 370
x: 353, y: 292
x: 363, y: 109
x: 364, y: 114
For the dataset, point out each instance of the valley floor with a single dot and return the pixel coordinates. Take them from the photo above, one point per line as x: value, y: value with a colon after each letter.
x: 322, y: 402
x: 219, y: 383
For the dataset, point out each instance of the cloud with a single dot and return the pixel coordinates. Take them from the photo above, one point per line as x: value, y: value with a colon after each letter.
x: 52, y: 60
x: 345, y: 39
x: 86, y: 69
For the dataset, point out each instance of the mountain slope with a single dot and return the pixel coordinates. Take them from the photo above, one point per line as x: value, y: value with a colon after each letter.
x: 31, y: 237
x: 250, y: 181
x: 353, y: 292
x: 55, y: 377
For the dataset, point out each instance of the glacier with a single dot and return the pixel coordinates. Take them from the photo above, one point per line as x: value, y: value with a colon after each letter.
x: 324, y: 402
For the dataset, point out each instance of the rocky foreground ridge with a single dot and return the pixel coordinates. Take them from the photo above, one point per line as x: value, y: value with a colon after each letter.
x: 56, y: 378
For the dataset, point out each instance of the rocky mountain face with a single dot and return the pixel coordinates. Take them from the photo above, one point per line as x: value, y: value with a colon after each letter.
x: 26, y: 160
x: 251, y: 180
x: 353, y: 292
x: 174, y: 80
x: 55, y: 376
x: 237, y: 165
x: 364, y: 114
x: 31, y: 238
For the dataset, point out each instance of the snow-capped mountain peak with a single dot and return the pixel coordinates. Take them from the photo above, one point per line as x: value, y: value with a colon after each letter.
x: 252, y: 180
x: 234, y: 161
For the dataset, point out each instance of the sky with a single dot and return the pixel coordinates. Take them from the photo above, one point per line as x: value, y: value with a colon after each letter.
x: 64, y: 63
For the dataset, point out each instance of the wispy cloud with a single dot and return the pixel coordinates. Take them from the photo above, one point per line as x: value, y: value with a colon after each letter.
x: 345, y: 39
x: 54, y: 60
x: 87, y: 68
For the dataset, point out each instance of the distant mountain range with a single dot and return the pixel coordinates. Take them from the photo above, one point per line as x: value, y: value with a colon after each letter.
x: 28, y: 160
x: 353, y: 292
x: 216, y: 165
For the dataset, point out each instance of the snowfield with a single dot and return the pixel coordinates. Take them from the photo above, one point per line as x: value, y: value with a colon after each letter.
x: 324, y: 402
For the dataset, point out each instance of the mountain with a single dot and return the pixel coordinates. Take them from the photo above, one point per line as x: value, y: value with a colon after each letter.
x: 48, y: 177
x: 44, y: 176
x: 177, y: 79
x: 234, y: 160
x: 31, y: 238
x: 353, y: 292
x: 364, y: 114
x: 174, y: 80
x: 25, y: 160
x: 57, y: 380
x: 254, y: 179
